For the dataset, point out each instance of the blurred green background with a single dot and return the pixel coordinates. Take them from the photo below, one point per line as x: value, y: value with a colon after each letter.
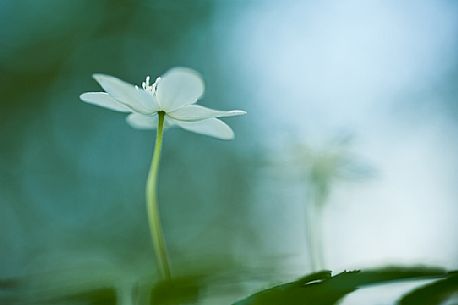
x: 309, y: 74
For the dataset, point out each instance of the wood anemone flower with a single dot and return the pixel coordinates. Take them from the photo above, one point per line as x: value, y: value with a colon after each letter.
x: 174, y: 94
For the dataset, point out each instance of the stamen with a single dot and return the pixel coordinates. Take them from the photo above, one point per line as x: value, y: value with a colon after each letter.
x: 154, y: 86
x: 147, y: 87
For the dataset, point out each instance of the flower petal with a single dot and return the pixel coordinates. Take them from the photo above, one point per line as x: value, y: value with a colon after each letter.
x: 137, y: 99
x: 211, y: 127
x: 103, y: 99
x: 141, y: 121
x: 197, y: 112
x: 179, y: 87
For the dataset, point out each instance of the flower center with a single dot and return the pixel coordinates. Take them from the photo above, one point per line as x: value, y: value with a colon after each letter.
x: 150, y: 88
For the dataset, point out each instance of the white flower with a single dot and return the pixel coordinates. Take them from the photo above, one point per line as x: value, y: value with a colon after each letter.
x: 175, y: 94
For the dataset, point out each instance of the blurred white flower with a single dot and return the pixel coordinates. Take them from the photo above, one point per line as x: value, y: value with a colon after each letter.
x: 175, y: 94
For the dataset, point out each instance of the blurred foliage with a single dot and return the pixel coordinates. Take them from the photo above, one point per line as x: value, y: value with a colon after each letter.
x: 105, y: 296
x: 185, y: 290
x: 319, y: 288
x: 323, y: 289
x: 433, y: 294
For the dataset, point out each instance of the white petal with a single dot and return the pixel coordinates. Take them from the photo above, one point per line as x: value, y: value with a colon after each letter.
x: 197, y: 112
x: 141, y: 121
x: 103, y: 99
x: 137, y: 99
x: 210, y: 127
x: 179, y: 87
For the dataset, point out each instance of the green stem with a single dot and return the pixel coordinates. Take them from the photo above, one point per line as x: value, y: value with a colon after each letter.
x: 152, y: 204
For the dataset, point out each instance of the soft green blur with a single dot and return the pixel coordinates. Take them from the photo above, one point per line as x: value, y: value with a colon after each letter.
x: 72, y: 182
x: 72, y: 176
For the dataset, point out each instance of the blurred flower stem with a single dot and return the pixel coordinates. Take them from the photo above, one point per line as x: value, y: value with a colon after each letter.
x: 322, y: 168
x: 153, y: 207
x: 314, y: 224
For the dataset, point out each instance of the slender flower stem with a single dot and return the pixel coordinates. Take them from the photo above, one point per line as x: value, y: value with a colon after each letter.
x: 314, y: 227
x: 152, y: 205
x: 310, y: 236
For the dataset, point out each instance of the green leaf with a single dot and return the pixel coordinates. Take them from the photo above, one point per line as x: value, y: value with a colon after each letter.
x: 312, y: 277
x: 322, y: 289
x: 432, y: 294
